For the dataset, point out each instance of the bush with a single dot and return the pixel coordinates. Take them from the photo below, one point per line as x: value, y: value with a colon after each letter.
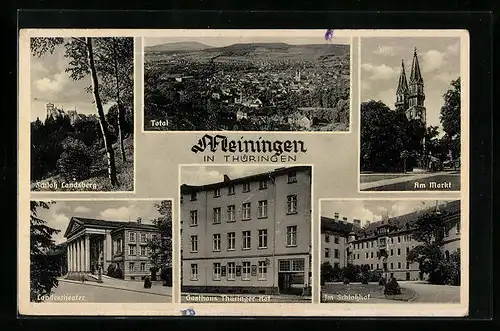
x: 75, y: 160
x: 392, y: 287
x: 346, y: 281
x: 118, y: 273
x: 382, y: 281
x: 364, y: 279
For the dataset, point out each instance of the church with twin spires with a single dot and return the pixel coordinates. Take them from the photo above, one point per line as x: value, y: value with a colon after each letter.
x: 410, y: 96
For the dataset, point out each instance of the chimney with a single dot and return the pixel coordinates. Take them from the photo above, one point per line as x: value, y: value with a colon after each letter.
x: 344, y: 219
x: 356, y: 222
x: 336, y: 215
x: 226, y: 178
x: 139, y: 220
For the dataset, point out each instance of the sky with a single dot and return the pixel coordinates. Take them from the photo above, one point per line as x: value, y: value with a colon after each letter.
x: 60, y: 213
x: 50, y: 83
x: 203, y: 175
x: 439, y: 60
x: 226, y: 41
x: 373, y: 210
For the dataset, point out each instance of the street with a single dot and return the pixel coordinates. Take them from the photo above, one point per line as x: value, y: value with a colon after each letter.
x: 427, y: 293
x: 74, y: 292
x: 425, y: 182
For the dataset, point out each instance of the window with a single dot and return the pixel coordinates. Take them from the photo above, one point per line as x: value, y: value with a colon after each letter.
x: 263, y: 238
x: 231, y: 270
x: 392, y: 252
x: 336, y: 239
x: 194, y: 244
x: 262, y: 184
x: 132, y: 236
x: 407, y: 250
x: 362, y: 245
x: 407, y: 265
x: 262, y: 270
x: 246, y: 271
x: 194, y: 272
x: 246, y: 187
x: 392, y: 240
x: 143, y: 237
x: 357, y: 256
x: 371, y: 255
x: 143, y: 266
x: 131, y: 266
x: 366, y: 255
x: 246, y: 240
x: 399, y: 239
x: 327, y: 252
x: 217, y: 271
x: 327, y: 238
x: 246, y: 210
x: 216, y: 192
x: 193, y: 196
x: 131, y: 249
x: 373, y: 243
x: 291, y: 235
x: 336, y: 253
x: 216, y: 242
x: 399, y: 251
x: 263, y: 209
x: 194, y: 217
x: 231, y: 241
x: 336, y: 265
x: 217, y: 215
x: 291, y: 202
x: 230, y: 190
x: 143, y: 250
x: 119, y: 246
x: 292, y: 177
x: 399, y: 265
x: 392, y: 265
x: 231, y: 213
x: 371, y: 266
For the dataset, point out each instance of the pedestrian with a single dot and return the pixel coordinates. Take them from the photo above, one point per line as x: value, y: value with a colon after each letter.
x: 147, y: 282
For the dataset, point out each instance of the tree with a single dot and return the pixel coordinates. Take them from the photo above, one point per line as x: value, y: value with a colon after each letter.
x: 43, y: 274
x: 80, y: 51
x: 161, y: 247
x: 450, y: 117
x: 404, y: 156
x: 429, y: 233
x: 115, y: 68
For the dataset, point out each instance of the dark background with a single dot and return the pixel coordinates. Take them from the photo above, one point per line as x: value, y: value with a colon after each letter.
x: 480, y: 27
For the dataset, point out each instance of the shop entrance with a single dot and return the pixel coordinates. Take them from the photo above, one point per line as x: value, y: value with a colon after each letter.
x: 291, y: 276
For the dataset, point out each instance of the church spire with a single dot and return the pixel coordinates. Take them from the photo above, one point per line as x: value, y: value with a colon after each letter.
x: 402, y: 90
x: 416, y: 76
x: 402, y: 84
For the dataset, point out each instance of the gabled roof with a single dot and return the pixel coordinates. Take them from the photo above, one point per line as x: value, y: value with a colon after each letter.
x: 76, y: 223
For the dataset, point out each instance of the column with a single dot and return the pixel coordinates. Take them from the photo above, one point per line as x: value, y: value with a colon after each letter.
x: 68, y: 255
x: 74, y: 255
x: 77, y: 244
x: 80, y: 255
x: 87, y: 253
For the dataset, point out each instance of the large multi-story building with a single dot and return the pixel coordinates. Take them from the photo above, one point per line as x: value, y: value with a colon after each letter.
x: 248, y: 235
x: 390, y: 239
x: 94, y: 242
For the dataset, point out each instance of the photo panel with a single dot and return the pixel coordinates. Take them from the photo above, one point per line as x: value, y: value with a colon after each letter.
x: 410, y: 114
x: 392, y: 251
x: 246, y: 234
x: 82, y: 114
x: 244, y: 80
x: 101, y: 251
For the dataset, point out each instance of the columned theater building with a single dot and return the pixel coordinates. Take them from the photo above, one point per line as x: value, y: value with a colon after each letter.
x: 345, y: 242
x: 94, y: 242
x: 248, y: 235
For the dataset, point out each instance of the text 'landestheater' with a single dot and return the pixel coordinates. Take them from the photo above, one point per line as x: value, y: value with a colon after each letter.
x: 248, y: 235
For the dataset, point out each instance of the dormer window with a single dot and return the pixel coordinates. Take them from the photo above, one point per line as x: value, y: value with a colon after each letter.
x: 193, y: 196
x: 246, y: 187
x: 217, y: 192
x: 292, y: 177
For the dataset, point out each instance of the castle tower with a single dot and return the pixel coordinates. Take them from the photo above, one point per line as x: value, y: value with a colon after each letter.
x: 402, y: 91
x: 416, y: 99
x: 50, y: 109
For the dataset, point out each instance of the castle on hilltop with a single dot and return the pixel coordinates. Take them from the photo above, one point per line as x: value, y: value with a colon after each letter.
x: 410, y: 96
x: 54, y: 112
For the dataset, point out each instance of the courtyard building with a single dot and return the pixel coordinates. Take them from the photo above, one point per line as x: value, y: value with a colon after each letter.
x: 92, y: 243
x: 248, y: 235
x: 385, y: 244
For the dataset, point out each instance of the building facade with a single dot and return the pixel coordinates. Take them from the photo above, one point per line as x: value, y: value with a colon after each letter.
x: 248, y: 235
x: 385, y: 245
x: 94, y: 243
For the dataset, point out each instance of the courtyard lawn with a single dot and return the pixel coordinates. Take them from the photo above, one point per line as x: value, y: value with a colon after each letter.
x: 373, y: 289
